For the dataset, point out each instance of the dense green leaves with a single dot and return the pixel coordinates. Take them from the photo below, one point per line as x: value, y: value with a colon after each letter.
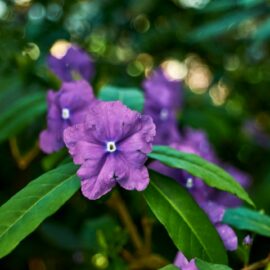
x: 169, y: 267
x: 39, y: 199
x: 209, y: 266
x: 131, y: 97
x: 21, y: 113
x: 185, y: 221
x: 246, y: 219
x: 208, y: 172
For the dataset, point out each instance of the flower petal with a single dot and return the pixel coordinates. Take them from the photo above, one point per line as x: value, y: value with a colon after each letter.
x: 49, y: 142
x: 141, y: 139
x: 228, y: 236
x: 111, y: 121
x: 96, y: 186
x: 214, y: 211
x: 138, y: 179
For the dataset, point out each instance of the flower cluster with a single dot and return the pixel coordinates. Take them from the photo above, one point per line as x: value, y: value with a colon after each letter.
x: 108, y: 140
x: 212, y: 201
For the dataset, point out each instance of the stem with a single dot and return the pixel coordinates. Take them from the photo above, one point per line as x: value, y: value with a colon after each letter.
x: 22, y: 160
x: 116, y: 203
x: 258, y: 265
x: 147, y: 225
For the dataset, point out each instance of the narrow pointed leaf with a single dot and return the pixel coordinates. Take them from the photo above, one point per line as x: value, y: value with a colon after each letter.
x: 211, y: 174
x: 131, y: 97
x: 223, y: 25
x: 202, y: 265
x: 22, y: 214
x: 246, y: 219
x: 186, y: 223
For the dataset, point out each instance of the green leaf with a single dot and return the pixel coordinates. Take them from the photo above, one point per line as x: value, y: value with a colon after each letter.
x: 20, y: 114
x: 222, y: 5
x: 209, y: 266
x: 246, y: 219
x: 131, y: 97
x: 223, y: 25
x: 211, y: 174
x: 169, y: 267
x: 186, y: 223
x: 262, y: 31
x: 22, y: 214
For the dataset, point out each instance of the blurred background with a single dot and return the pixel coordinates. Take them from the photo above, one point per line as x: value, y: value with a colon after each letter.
x: 218, y: 48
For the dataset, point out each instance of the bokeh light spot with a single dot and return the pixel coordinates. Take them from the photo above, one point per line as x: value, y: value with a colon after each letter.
x: 174, y: 69
x: 60, y: 48
x: 100, y: 261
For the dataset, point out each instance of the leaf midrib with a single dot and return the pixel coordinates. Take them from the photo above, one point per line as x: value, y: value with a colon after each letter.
x: 179, y: 212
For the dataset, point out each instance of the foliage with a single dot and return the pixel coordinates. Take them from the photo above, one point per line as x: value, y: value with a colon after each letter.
x: 221, y: 49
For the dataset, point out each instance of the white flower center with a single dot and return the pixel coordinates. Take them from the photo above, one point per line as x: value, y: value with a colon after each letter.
x: 189, y: 183
x: 65, y: 113
x: 111, y: 147
x: 164, y: 114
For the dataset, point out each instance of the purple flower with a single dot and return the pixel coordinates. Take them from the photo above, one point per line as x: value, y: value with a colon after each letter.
x: 76, y: 63
x: 198, y: 140
x: 65, y: 108
x: 215, y: 213
x: 111, y: 146
x: 228, y: 236
x: 182, y: 262
x: 162, y: 102
x: 195, y: 142
x: 248, y: 240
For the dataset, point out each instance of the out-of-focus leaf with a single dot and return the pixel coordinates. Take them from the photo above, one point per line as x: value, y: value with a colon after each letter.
x: 186, y: 223
x: 246, y: 219
x: 169, y: 267
x: 22, y: 213
x: 60, y: 236
x: 209, y: 266
x: 263, y: 31
x: 222, y: 5
x: 211, y: 174
x: 131, y: 97
x: 222, y: 25
x: 10, y: 91
x: 20, y: 114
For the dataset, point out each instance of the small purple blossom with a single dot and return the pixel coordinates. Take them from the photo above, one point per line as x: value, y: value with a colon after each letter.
x: 162, y: 102
x: 215, y: 213
x: 111, y: 146
x: 228, y: 236
x: 65, y: 108
x: 198, y: 140
x: 182, y: 262
x: 75, y: 63
x: 248, y: 240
